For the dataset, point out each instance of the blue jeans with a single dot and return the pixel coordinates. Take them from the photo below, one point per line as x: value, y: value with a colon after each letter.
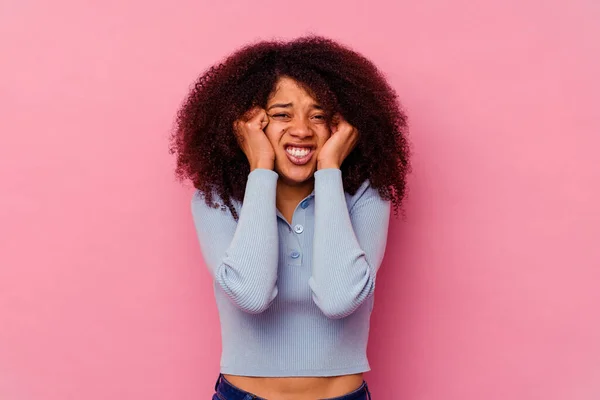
x: 226, y: 391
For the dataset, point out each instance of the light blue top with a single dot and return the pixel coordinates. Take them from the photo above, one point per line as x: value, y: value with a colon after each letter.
x: 294, y: 299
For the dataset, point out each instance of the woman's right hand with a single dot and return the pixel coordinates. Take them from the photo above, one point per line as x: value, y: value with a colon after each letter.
x: 252, y: 139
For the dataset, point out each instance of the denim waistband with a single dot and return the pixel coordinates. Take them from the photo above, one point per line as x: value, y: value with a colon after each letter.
x: 224, y: 390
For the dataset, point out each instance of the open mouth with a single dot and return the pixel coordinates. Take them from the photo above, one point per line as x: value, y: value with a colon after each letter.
x: 299, y: 155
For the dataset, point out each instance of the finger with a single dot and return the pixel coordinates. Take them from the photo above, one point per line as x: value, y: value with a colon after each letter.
x: 341, y: 124
x: 237, y: 132
x: 265, y: 120
x: 346, y: 127
x: 355, y: 137
x: 251, y: 113
x: 236, y: 127
x: 335, y: 120
x: 256, y: 122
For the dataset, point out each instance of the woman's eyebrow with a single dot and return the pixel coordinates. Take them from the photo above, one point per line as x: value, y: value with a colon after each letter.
x: 287, y: 105
x: 277, y: 105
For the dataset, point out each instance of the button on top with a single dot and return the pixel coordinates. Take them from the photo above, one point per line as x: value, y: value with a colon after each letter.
x: 304, y: 204
x: 294, y: 254
x: 298, y: 228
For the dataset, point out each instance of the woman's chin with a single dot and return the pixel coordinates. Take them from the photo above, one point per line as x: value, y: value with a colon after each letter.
x: 296, y: 174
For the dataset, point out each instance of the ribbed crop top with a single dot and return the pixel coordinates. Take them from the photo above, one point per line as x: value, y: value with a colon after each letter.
x: 294, y: 299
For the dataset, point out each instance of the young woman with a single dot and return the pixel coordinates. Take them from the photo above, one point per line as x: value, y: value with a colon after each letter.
x: 297, y: 150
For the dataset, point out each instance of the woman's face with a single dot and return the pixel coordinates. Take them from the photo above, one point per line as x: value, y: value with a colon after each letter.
x: 297, y: 130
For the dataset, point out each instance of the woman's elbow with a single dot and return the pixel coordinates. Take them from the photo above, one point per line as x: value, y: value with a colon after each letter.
x: 254, y: 302
x: 341, y: 303
x: 335, y: 310
x: 249, y: 294
x: 340, y: 307
x: 258, y: 307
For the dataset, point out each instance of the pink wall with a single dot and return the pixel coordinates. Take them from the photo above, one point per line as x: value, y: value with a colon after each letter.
x: 490, y: 289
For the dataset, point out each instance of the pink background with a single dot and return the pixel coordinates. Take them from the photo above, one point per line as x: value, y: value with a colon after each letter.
x: 490, y: 288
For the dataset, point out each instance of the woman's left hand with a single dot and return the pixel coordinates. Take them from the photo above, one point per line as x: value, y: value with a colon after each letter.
x: 342, y: 141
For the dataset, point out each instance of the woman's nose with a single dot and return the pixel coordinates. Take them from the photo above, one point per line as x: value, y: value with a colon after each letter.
x: 301, y: 128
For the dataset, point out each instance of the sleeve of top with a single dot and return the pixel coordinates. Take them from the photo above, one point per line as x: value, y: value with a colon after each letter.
x: 243, y: 256
x: 348, y: 246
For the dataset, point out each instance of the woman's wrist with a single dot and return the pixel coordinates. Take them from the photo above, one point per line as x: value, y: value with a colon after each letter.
x: 324, y: 164
x: 263, y: 164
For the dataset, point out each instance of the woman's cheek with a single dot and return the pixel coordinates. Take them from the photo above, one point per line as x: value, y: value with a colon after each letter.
x: 326, y: 134
x: 272, y: 135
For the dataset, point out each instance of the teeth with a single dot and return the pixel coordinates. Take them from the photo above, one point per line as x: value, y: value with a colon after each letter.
x: 297, y: 152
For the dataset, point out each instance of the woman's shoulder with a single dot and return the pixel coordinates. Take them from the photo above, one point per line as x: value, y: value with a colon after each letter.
x: 365, y: 194
x: 202, y: 203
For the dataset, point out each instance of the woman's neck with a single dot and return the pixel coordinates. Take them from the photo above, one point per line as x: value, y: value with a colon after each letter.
x: 288, y: 196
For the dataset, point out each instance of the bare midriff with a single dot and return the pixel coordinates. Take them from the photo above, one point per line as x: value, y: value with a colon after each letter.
x: 297, y: 388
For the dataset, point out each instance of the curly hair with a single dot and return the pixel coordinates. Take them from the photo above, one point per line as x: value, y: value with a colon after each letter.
x: 341, y: 80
